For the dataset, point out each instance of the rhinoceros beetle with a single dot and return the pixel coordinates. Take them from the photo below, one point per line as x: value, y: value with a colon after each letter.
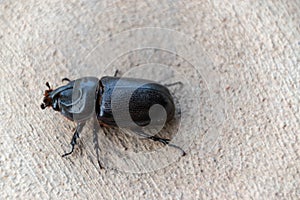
x: 78, y: 100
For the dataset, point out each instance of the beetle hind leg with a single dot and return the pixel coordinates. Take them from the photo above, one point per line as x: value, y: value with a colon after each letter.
x: 166, y: 142
x: 172, y: 84
x: 161, y: 140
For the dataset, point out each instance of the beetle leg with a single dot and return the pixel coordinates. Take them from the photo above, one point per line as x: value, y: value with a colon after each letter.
x: 96, y: 143
x: 116, y: 73
x: 65, y: 79
x: 167, y: 142
x: 74, y: 138
x: 172, y: 84
x: 161, y: 140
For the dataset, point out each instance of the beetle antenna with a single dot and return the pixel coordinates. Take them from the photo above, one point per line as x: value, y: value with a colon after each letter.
x: 48, y: 85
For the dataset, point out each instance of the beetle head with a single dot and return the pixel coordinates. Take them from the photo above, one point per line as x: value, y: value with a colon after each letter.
x: 76, y: 100
x: 48, y: 98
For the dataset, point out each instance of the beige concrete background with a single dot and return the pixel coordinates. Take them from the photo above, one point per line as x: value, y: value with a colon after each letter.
x: 255, y: 50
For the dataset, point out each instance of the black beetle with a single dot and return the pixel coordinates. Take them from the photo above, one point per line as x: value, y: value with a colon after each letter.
x: 80, y: 98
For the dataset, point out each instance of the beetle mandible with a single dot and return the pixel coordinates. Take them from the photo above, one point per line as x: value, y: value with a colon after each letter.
x: 78, y: 100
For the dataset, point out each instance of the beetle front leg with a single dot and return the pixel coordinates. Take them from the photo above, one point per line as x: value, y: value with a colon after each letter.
x: 74, y: 138
x: 65, y: 79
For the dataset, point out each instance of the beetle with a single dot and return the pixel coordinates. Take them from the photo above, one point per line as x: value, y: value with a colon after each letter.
x: 78, y: 100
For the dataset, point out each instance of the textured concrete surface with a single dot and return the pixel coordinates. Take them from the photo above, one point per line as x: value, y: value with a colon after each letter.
x: 254, y: 47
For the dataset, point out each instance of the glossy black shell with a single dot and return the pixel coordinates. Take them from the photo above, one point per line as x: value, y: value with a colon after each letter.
x: 146, y: 95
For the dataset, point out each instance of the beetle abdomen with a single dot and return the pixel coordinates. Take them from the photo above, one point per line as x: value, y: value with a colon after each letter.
x: 133, y: 96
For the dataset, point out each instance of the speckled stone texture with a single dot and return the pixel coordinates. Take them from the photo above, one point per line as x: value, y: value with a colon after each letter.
x: 254, y: 47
